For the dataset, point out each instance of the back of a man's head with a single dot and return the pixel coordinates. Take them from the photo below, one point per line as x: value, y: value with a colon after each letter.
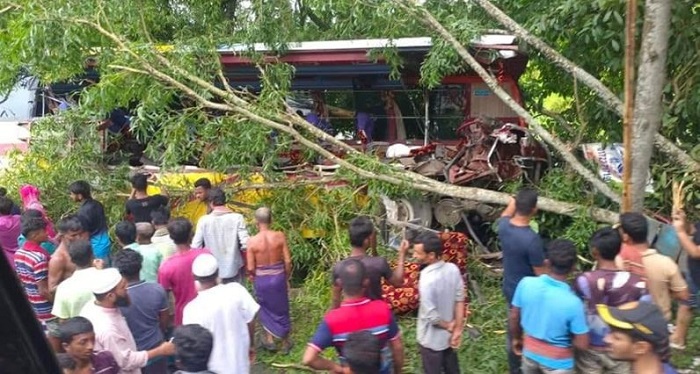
x: 193, y: 345
x: 635, y: 226
x: 263, y: 216
x: 144, y: 231
x: 139, y: 182
x: 362, y: 351
x: 217, y: 197
x: 70, y: 223
x: 352, y: 274
x: 361, y: 228
x: 125, y: 232
x: 5, y: 206
x: 160, y: 216
x: 180, y: 230
x: 526, y: 202
x: 561, y: 254
x: 607, y: 242
x: 80, y: 253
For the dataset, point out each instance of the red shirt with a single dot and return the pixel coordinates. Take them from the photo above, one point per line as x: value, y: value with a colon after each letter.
x: 175, y: 274
x: 632, y: 259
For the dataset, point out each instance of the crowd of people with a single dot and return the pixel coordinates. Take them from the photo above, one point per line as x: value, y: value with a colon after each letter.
x: 174, y: 293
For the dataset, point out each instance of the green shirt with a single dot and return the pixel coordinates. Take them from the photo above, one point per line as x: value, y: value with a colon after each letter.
x: 152, y: 257
x: 73, y: 293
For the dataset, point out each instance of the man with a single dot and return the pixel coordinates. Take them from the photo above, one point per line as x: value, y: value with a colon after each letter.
x: 60, y: 266
x: 47, y: 244
x: 140, y: 205
x: 225, y: 234
x: 664, y: 278
x: 270, y: 267
x: 362, y: 236
x: 362, y: 351
x: 356, y: 313
x: 689, y: 237
x: 228, y: 312
x: 193, y: 345
x: 111, y: 331
x: 73, y: 293
x: 639, y: 334
x: 523, y: 254
x: 92, y: 217
x: 202, y: 186
x: 152, y: 255
x: 78, y: 340
x: 125, y: 232
x: 161, y: 236
x: 175, y: 274
x: 547, y: 319
x: 147, y: 316
x: 10, y: 229
x: 610, y: 286
x: 441, y: 311
x: 32, y: 265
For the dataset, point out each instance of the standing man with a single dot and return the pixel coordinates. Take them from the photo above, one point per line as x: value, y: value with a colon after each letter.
x: 111, y: 331
x: 547, y: 319
x: 523, y: 253
x: 32, y: 265
x: 78, y: 340
x: 140, y: 205
x: 152, y: 255
x: 225, y: 234
x: 160, y: 219
x: 92, y: 217
x: 639, y: 334
x: 126, y: 235
x: 193, y: 345
x: 610, y: 286
x: 441, y: 311
x: 228, y: 312
x: 689, y: 237
x: 175, y: 274
x: 202, y: 186
x: 147, y: 316
x: 269, y: 268
x: 356, y: 313
x: 362, y: 236
x: 60, y: 266
x: 73, y: 293
x: 10, y: 229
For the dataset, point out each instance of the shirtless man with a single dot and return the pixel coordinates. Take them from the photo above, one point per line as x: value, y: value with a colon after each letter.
x: 60, y: 265
x: 269, y: 268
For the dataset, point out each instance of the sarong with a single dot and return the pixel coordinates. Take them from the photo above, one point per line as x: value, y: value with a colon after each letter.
x: 101, y: 246
x: 271, y: 291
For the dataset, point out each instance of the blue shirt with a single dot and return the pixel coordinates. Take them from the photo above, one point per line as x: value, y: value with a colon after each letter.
x: 551, y: 312
x: 522, y: 250
x: 143, y: 315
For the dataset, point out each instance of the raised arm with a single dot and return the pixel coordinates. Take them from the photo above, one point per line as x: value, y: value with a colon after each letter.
x: 396, y: 277
x: 509, y: 211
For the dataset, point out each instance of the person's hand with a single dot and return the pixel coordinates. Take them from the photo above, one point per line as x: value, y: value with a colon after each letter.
x: 337, y: 369
x: 167, y: 349
x: 450, y: 326
x: 98, y: 263
x: 679, y: 220
x: 456, y: 339
x: 403, y: 248
x: 517, y: 346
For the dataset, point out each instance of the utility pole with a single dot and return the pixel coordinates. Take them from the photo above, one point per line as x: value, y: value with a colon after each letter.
x: 628, y: 119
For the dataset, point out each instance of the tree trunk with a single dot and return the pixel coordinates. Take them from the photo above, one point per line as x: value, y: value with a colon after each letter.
x: 608, y: 97
x: 648, y: 99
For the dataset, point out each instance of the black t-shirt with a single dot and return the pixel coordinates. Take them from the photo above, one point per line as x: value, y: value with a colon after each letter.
x: 694, y: 262
x: 92, y: 217
x: 141, y: 209
x: 376, y: 268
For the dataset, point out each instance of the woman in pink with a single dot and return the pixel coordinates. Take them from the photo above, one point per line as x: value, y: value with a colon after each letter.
x: 30, y: 199
x: 10, y: 229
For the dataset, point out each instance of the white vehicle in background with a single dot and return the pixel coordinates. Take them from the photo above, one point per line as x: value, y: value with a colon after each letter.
x: 17, y: 110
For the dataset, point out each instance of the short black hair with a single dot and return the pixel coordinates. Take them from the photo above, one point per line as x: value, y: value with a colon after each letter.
x: 31, y: 214
x: 351, y: 274
x: 81, y: 188
x: 561, y: 254
x: 193, y: 345
x: 160, y: 216
x: 125, y: 232
x: 65, y: 361
x: 431, y: 243
x: 635, y: 225
x: 3, y: 191
x: 70, y: 223
x: 362, y: 351
x: 128, y: 262
x: 139, y: 182
x: 6, y: 205
x: 217, y: 197
x: 80, y: 252
x: 30, y: 225
x: 72, y: 327
x: 607, y: 242
x: 180, y: 230
x: 360, y: 229
x: 526, y: 202
x: 203, y: 182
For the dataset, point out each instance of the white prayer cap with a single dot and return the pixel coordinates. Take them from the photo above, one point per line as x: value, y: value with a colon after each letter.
x: 205, y: 265
x: 105, y: 281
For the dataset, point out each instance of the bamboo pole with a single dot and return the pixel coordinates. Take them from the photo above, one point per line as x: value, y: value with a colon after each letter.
x: 628, y: 119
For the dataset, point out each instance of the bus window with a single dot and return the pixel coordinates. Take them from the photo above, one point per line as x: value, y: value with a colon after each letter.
x: 447, y: 108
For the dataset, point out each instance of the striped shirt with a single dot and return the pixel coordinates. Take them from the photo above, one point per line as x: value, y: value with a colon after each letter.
x: 32, y: 264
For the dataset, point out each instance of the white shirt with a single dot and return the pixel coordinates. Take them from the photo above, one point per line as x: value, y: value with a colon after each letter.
x: 221, y: 232
x: 73, y: 293
x: 225, y: 310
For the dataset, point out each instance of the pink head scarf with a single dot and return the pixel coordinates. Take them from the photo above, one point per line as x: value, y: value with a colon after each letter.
x: 30, y: 200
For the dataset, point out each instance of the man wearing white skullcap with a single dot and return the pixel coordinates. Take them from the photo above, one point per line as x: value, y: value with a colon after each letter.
x: 228, y: 312
x: 111, y: 331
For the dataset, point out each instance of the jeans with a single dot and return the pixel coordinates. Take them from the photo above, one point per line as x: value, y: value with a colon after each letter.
x: 531, y: 367
x: 513, y: 359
